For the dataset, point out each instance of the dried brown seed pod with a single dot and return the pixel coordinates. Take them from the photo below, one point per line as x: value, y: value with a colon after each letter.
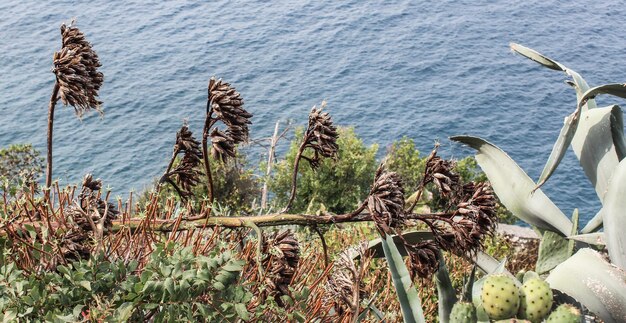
x: 386, y: 200
x: 86, y: 213
x: 222, y: 145
x: 76, y: 69
x: 185, y: 142
x: 345, y: 287
x: 424, y: 258
x: 282, y: 256
x: 227, y: 104
x: 321, y: 135
x: 440, y: 172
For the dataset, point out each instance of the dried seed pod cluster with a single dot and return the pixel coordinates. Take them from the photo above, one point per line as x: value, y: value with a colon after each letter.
x: 321, y: 135
x: 222, y: 145
x: 76, y: 69
x: 345, y: 287
x: 282, y: 255
x: 440, y: 172
x: 87, y: 214
x: 227, y: 104
x: 424, y: 258
x: 386, y: 200
x: 186, y: 173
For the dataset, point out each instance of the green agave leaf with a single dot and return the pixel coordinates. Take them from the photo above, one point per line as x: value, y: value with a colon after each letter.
x: 537, y: 57
x: 578, y: 82
x: 614, y: 217
x: 596, y: 238
x: 407, y: 294
x: 594, y: 224
x: 594, y: 282
x: 560, y: 147
x: 487, y: 263
x: 467, y: 288
x: 445, y: 290
x: 616, y: 89
x: 515, y: 189
x: 412, y: 237
x: 597, y: 153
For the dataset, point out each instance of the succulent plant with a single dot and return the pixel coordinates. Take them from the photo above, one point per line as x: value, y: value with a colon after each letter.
x: 565, y: 313
x: 513, y: 321
x: 583, y: 274
x: 463, y: 312
x: 500, y: 297
x: 536, y: 300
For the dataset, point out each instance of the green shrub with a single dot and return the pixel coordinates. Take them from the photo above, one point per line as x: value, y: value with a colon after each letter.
x: 340, y: 185
x: 175, y: 285
x: 20, y: 166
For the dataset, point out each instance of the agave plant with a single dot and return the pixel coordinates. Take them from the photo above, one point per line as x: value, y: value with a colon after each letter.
x: 597, y: 138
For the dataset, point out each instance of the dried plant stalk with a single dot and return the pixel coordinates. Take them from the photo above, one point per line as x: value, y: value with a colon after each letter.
x: 227, y: 105
x: 321, y: 136
x: 77, y: 81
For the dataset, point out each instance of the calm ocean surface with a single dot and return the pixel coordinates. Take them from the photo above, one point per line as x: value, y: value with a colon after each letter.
x: 427, y: 70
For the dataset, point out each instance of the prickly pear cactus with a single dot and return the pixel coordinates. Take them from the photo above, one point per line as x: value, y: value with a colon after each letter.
x: 565, y: 313
x: 513, y: 321
x: 463, y: 312
x: 500, y: 297
x: 536, y: 300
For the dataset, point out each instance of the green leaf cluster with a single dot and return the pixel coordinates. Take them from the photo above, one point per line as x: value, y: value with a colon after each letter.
x: 174, y: 285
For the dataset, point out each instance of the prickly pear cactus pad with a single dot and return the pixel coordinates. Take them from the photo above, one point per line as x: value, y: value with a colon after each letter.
x: 513, y: 321
x: 463, y: 312
x: 565, y: 313
x: 500, y: 297
x: 536, y: 300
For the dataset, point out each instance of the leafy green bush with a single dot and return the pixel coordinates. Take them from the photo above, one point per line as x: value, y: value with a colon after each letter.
x: 20, y: 166
x: 174, y: 285
x: 339, y: 184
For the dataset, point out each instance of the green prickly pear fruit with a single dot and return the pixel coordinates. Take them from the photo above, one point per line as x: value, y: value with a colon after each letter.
x: 536, y: 300
x: 463, y: 312
x: 500, y: 296
x: 513, y: 321
x: 565, y: 313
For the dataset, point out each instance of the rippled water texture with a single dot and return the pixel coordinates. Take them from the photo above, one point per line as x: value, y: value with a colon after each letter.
x: 427, y: 70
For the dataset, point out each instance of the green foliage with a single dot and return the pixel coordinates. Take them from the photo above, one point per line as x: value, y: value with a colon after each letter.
x: 20, y: 166
x: 174, y: 285
x: 339, y: 184
x: 235, y: 187
x: 404, y: 158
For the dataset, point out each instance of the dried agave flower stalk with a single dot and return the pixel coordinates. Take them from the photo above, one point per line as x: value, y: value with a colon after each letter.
x: 282, y: 254
x: 321, y: 136
x: 186, y: 174
x: 227, y: 105
x: 78, y: 80
x: 386, y: 200
x: 345, y: 287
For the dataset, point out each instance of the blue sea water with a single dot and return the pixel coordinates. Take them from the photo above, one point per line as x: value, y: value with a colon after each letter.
x: 422, y: 69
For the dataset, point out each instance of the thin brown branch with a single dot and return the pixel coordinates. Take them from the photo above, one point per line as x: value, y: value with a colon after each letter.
x: 294, y: 176
x: 51, y: 106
